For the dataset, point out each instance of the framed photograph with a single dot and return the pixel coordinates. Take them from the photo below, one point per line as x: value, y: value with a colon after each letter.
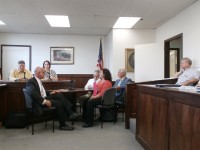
x: 62, y: 55
x: 129, y: 59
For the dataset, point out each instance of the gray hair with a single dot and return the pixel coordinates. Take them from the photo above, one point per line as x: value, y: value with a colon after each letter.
x: 188, y: 60
x: 122, y: 70
x: 97, y: 71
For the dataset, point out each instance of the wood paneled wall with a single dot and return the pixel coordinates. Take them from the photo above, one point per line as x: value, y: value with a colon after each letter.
x: 80, y: 79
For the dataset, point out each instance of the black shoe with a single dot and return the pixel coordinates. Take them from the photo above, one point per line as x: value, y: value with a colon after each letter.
x: 66, y: 128
x: 74, y: 116
x: 86, y: 125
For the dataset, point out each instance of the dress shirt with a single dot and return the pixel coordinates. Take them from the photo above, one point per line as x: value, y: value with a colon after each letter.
x: 42, y: 90
x: 90, y: 83
x: 94, y: 89
x: 120, y: 81
x: 16, y: 74
x: 187, y: 74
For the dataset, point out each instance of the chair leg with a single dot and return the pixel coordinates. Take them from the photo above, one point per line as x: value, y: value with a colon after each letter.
x: 32, y: 129
x: 101, y: 118
x: 53, y: 120
x: 123, y: 116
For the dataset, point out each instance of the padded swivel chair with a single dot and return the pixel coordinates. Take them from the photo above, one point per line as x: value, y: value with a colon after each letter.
x: 107, y: 103
x: 32, y: 118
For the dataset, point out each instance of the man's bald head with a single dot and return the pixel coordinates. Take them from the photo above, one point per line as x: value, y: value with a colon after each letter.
x: 39, y: 72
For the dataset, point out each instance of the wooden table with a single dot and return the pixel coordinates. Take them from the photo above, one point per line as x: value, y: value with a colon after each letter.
x: 72, y: 95
x: 168, y: 118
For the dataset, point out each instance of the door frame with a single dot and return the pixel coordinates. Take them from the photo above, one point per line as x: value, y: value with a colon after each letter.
x: 14, y: 46
x: 167, y: 49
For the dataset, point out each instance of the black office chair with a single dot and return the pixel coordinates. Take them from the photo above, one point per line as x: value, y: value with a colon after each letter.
x: 32, y: 118
x: 107, y: 103
x: 121, y: 105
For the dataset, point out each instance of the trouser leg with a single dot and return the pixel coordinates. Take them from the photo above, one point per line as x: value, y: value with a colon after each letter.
x: 90, y: 110
x: 59, y: 111
x: 84, y: 106
x: 65, y: 103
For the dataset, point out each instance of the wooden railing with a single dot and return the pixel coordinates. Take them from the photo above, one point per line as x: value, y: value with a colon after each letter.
x: 132, y: 97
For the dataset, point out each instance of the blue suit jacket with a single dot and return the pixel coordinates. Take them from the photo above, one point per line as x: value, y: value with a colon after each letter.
x: 122, y: 86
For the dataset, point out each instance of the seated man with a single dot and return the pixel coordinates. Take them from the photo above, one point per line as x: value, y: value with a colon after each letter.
x: 63, y: 107
x: 120, y: 85
x: 187, y: 75
x: 89, y: 86
x: 21, y: 73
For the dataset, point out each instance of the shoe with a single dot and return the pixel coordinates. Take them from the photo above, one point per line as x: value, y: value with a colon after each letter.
x: 86, y: 125
x: 74, y: 116
x: 66, y: 128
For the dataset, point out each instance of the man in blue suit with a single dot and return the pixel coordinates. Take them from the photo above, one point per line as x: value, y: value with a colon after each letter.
x: 120, y: 85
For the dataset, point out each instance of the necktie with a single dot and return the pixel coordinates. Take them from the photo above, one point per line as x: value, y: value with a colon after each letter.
x: 94, y: 89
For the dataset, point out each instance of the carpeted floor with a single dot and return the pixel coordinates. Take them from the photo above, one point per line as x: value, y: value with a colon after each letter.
x: 111, y: 137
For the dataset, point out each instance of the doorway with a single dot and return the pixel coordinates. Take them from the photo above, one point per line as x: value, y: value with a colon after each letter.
x: 173, y: 55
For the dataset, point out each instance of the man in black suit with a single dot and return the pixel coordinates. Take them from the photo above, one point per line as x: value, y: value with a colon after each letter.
x: 63, y: 107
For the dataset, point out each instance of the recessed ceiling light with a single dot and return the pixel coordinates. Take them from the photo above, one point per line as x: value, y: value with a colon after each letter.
x: 2, y: 23
x: 126, y: 22
x: 58, y: 21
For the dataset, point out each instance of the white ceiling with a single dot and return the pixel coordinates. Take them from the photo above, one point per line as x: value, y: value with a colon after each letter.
x: 87, y: 17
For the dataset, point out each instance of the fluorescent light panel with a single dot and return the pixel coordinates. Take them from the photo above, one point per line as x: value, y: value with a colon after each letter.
x: 126, y: 22
x: 2, y: 23
x: 58, y: 21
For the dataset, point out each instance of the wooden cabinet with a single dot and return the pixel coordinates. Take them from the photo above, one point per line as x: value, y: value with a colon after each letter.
x: 132, y: 97
x: 167, y: 119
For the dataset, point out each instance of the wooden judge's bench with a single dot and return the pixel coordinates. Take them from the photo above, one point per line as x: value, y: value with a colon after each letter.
x: 166, y: 118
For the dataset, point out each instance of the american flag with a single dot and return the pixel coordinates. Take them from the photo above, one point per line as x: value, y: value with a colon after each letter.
x: 100, y: 57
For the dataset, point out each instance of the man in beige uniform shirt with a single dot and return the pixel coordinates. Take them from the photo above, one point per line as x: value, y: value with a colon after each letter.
x: 20, y: 74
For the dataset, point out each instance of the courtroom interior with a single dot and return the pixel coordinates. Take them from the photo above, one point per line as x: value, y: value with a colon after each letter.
x: 90, y: 84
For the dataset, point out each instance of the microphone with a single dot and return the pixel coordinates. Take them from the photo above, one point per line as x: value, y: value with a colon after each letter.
x: 71, y: 85
x: 49, y: 75
x: 24, y: 75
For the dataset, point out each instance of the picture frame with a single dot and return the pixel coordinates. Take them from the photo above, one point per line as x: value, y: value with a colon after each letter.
x: 129, y: 59
x: 62, y: 55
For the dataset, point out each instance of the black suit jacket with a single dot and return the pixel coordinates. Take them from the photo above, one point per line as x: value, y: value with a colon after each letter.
x: 33, y: 90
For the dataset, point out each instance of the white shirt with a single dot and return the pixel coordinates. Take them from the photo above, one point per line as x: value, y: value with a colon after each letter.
x: 187, y: 74
x: 120, y: 81
x: 90, y: 83
x: 42, y: 90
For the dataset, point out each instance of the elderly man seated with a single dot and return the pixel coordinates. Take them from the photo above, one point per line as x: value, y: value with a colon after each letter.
x: 120, y: 85
x: 187, y: 75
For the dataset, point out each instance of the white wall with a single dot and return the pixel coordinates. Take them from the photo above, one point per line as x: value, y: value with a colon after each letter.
x: 149, y: 62
x: 128, y: 38
x: 85, y: 50
x: 188, y: 23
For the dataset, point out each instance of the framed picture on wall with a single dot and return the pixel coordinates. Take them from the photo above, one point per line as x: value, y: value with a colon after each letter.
x: 62, y: 55
x: 129, y: 59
